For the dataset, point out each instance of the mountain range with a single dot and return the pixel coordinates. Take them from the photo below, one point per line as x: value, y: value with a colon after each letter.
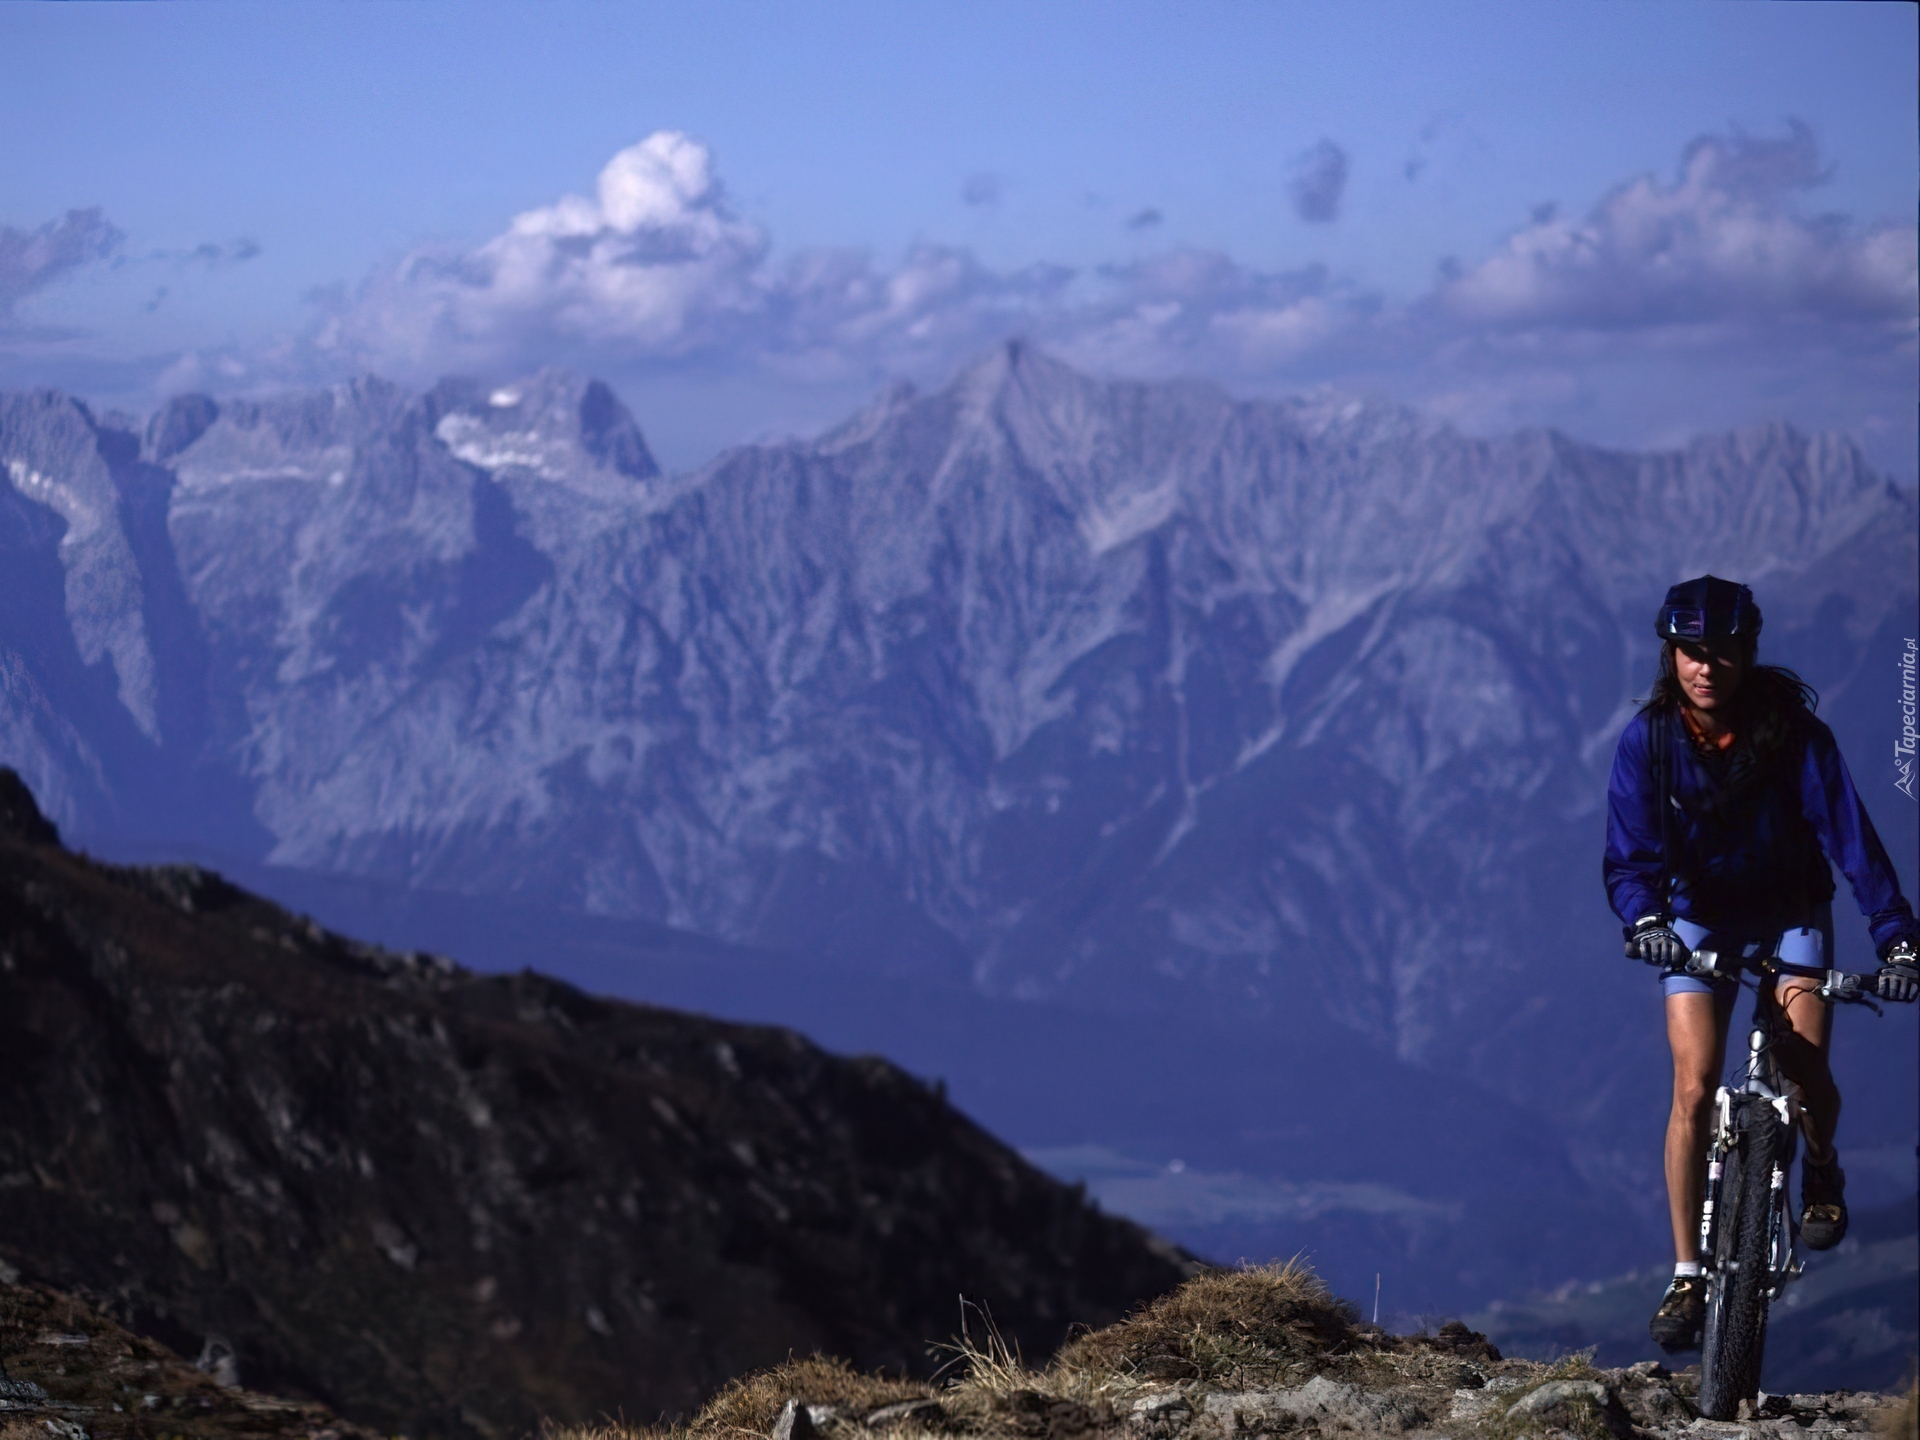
x: 1244, y: 758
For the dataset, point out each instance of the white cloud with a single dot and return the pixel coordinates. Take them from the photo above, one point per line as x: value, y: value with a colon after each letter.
x: 1201, y: 311
x: 1710, y: 298
x: 656, y: 267
x: 1723, y: 243
x: 655, y: 264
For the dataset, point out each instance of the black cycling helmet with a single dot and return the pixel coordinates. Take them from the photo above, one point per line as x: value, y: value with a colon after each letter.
x: 1696, y: 612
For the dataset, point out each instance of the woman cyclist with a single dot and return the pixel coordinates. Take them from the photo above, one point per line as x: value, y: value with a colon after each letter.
x: 1727, y: 800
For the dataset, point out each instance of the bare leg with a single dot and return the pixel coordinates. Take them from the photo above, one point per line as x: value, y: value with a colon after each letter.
x: 1803, y: 1056
x: 1697, y: 1035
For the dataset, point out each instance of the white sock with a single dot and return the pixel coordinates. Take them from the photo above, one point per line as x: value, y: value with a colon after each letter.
x: 1685, y: 1267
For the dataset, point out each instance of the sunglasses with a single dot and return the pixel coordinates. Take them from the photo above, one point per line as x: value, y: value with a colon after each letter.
x: 1713, y: 652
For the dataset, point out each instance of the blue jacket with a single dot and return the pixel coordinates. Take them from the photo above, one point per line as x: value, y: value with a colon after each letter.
x: 1756, y: 859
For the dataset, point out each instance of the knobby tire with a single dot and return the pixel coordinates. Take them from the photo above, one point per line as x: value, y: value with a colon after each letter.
x: 1736, y: 1329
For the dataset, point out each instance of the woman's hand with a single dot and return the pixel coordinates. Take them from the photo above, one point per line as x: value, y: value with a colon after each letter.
x: 1899, y: 977
x: 1653, y: 940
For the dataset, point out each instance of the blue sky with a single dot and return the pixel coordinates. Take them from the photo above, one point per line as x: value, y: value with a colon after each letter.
x: 1632, y: 221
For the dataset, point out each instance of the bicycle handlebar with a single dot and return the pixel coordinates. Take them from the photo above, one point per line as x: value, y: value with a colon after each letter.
x: 1841, y: 987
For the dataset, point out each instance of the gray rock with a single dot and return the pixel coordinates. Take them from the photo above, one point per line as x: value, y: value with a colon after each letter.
x: 1319, y: 1396
x: 795, y: 1422
x: 1471, y: 1404
x: 1160, y: 1415
x: 1169, y: 1402
x: 1246, y: 1409
x: 21, y: 1392
x: 1559, y: 1392
x: 1320, y: 1399
x: 218, y: 1361
x: 1656, y: 1405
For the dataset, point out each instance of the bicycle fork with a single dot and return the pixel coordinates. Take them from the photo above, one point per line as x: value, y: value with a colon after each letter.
x: 1716, y: 1164
x: 1783, y: 1259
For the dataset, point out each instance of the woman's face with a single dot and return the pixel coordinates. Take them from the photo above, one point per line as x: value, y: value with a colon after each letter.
x: 1708, y: 675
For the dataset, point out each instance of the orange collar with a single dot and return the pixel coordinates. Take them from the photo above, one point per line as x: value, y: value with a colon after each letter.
x: 1698, y: 732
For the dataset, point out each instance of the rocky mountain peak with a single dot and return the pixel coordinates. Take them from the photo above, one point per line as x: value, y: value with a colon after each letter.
x: 1020, y: 394
x: 20, y: 817
x: 867, y: 422
x: 177, y: 424
x: 548, y: 423
x: 311, y: 437
x: 51, y: 458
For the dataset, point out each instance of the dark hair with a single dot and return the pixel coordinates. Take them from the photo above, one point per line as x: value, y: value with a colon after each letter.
x: 1770, y: 701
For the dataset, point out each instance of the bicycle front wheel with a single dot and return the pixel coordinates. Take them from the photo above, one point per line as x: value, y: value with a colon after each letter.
x: 1737, y: 1290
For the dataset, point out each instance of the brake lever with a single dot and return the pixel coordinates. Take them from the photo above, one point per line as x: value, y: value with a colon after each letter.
x: 1844, y: 989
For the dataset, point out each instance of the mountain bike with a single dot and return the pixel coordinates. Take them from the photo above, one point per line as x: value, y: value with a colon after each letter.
x: 1748, y: 1232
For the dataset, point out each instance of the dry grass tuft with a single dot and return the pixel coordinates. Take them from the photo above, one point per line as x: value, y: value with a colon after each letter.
x: 990, y: 1390
x: 984, y: 1366
x: 1903, y: 1421
x: 750, y: 1404
x: 21, y: 1430
x: 1256, y: 1319
x: 1217, y: 1326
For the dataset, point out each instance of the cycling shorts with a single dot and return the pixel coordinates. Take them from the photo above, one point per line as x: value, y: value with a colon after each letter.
x: 1803, y: 950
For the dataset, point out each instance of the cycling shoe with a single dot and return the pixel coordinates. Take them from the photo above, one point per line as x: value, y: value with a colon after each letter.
x: 1823, y: 1204
x: 1677, y: 1323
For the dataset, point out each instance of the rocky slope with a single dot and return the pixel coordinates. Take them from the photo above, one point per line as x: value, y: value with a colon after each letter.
x: 452, y: 1204
x: 68, y: 1371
